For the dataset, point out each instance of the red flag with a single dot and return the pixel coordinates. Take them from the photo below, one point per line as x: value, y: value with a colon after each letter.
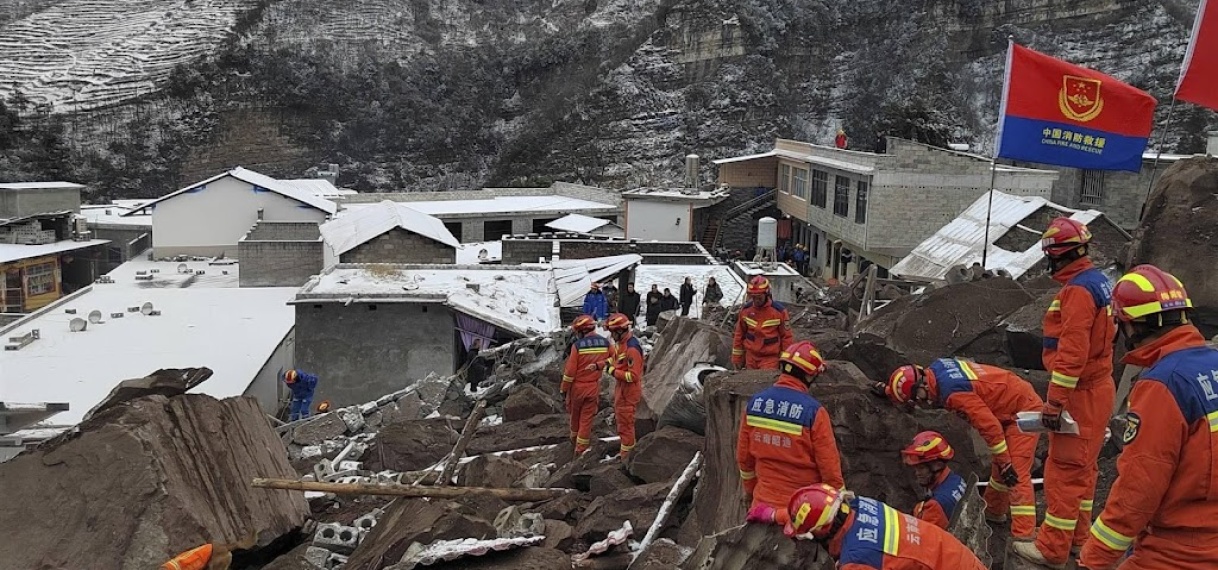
x: 1199, y: 74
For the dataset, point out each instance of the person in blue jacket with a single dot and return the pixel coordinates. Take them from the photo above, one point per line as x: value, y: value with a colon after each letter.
x: 595, y: 303
x: 302, y: 384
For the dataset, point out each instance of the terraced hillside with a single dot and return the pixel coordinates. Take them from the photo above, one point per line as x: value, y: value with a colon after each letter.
x: 78, y: 55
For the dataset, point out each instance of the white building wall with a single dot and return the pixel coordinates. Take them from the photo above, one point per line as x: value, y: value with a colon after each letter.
x: 662, y: 221
x: 210, y: 221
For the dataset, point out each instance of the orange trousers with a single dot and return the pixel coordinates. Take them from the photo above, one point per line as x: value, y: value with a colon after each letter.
x: 1019, y: 500
x: 582, y: 401
x: 760, y: 362
x: 1071, y: 471
x: 626, y: 397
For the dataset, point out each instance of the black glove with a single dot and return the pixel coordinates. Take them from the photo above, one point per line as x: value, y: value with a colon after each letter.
x: 1051, y: 415
x: 880, y: 389
x: 1008, y: 474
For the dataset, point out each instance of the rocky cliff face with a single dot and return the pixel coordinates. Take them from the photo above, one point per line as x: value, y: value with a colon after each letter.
x: 432, y: 95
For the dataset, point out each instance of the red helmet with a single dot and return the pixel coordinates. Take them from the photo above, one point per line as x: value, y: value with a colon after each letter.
x: 584, y: 324
x: 759, y: 285
x: 904, y: 382
x: 290, y: 376
x: 803, y: 357
x: 1063, y: 235
x: 1148, y: 290
x: 617, y: 323
x: 812, y: 509
x: 927, y: 446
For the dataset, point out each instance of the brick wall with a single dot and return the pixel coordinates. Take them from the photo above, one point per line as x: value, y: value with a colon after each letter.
x: 400, y: 246
x: 750, y: 173
x: 126, y: 238
x: 25, y: 202
x: 279, y: 263
x: 284, y: 231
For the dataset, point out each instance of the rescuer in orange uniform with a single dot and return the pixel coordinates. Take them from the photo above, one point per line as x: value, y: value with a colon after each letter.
x: 865, y: 534
x: 761, y: 329
x: 626, y: 366
x: 786, y: 440
x: 1165, y: 501
x: 581, y: 379
x: 928, y: 454
x: 1078, y: 333
x: 989, y: 396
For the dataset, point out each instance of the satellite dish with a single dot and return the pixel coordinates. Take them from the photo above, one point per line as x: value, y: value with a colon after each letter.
x: 146, y: 309
x: 483, y: 255
x: 182, y: 268
x: 95, y: 316
x: 77, y: 325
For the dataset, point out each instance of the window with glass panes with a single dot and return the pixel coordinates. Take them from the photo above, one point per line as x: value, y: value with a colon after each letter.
x: 841, y: 197
x: 860, y: 203
x: 820, y: 187
x: 801, y: 183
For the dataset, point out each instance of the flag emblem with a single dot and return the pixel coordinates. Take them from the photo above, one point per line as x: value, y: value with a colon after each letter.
x: 1080, y: 98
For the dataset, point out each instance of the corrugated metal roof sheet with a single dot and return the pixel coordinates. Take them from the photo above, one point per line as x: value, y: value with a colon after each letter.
x: 356, y: 227
x: 577, y: 223
x: 575, y: 276
x: 959, y: 242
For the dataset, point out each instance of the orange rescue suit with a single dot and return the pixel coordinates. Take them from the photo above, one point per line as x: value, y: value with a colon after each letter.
x: 941, y: 502
x: 1079, y: 331
x: 876, y: 536
x: 990, y: 396
x: 581, y: 383
x: 762, y: 332
x: 193, y: 559
x: 785, y: 443
x: 1165, y: 501
x: 626, y: 366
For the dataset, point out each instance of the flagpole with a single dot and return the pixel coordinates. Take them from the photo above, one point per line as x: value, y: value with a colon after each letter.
x: 989, y: 211
x: 1154, y: 169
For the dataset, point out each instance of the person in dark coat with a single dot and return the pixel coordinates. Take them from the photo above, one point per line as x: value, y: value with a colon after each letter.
x: 713, y: 293
x: 654, y: 298
x: 629, y: 304
x: 668, y: 302
x: 475, y: 366
x: 687, y: 296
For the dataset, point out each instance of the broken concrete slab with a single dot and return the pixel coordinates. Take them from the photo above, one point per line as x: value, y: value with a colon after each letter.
x: 662, y: 554
x: 757, y: 546
x: 532, y: 558
x: 603, y: 479
x: 167, y: 382
x: 567, y: 508
x: 663, y: 454
x: 559, y: 535
x: 160, y: 475
x: 319, y: 429
x: 538, y: 430
x: 591, y: 459
x: 685, y: 343
x: 511, y: 522
x: 635, y: 504
x: 407, y: 521
x: 412, y: 445
x: 526, y: 401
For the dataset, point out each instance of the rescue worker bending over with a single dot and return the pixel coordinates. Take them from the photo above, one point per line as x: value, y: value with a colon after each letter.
x: 626, y: 367
x: 989, y: 397
x: 942, y: 489
x: 1165, y: 501
x: 302, y: 384
x: 786, y: 440
x: 581, y: 379
x: 865, y: 534
x: 1077, y: 352
x: 761, y: 329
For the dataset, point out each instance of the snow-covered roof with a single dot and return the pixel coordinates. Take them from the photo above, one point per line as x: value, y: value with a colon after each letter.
x: 320, y: 187
x: 115, y: 215
x: 355, y: 228
x: 520, y: 299
x: 578, y: 223
x: 575, y: 276
x: 470, y: 253
x: 231, y: 330
x: 1151, y: 155
x: 768, y: 269
x: 700, y: 198
x: 39, y: 185
x: 260, y: 180
x: 500, y: 205
x: 15, y: 252
x: 672, y: 276
x: 855, y: 167
x: 959, y: 242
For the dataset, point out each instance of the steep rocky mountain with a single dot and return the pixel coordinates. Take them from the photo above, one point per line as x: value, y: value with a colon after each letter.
x: 428, y: 94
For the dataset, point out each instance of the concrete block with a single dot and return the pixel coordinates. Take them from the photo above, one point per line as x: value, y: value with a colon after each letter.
x: 318, y: 557
x: 350, y: 466
x: 353, y: 418
x: 338, y: 476
x: 336, y: 538
x: 323, y: 470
